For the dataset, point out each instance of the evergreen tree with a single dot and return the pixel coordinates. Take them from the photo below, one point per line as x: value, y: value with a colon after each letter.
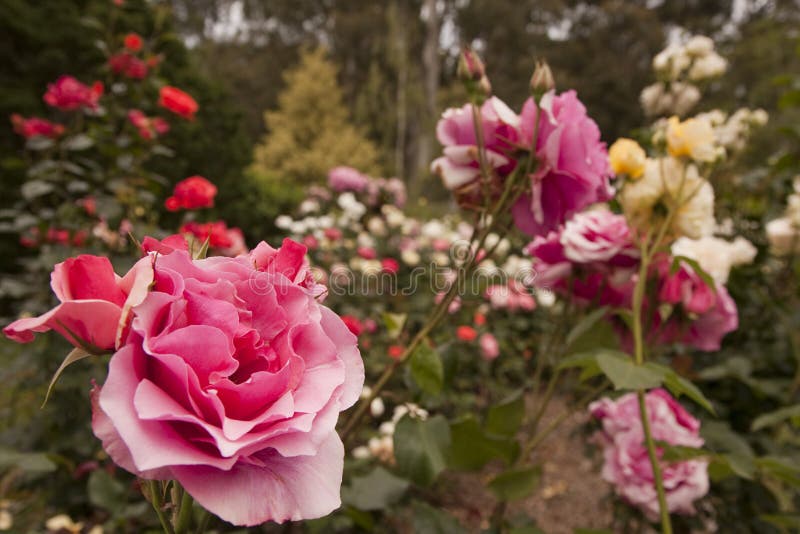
x: 310, y: 131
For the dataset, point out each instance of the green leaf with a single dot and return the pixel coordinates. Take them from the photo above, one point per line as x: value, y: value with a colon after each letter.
x: 679, y: 385
x: 377, y: 490
x: 75, y: 355
x: 515, y: 484
x: 394, y: 323
x: 784, y: 469
x: 105, y: 492
x: 586, y: 361
x: 36, y: 188
x: 585, y: 325
x: 778, y: 416
x: 427, y: 369
x: 29, y: 462
x: 679, y: 453
x: 420, y: 448
x: 429, y: 520
x: 505, y: 417
x: 39, y: 142
x: 77, y: 142
x: 471, y: 448
x: 623, y: 372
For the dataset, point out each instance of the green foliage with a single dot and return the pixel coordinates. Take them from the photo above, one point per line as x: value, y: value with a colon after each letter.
x: 310, y: 133
x: 420, y: 447
x: 426, y: 368
x: 515, y: 484
x: 377, y: 490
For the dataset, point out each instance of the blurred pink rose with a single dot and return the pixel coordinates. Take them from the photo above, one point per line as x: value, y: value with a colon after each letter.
x: 459, y: 166
x: 34, y: 126
x: 67, y: 94
x: 626, y: 464
x: 573, y: 170
x: 347, y: 179
x: 512, y: 296
x: 490, y: 349
x: 235, y: 375
x: 93, y: 299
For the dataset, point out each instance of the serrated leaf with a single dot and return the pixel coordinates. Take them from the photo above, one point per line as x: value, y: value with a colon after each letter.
x: 505, y: 417
x: 427, y: 369
x: 471, y: 448
x: 773, y: 418
x: 679, y: 385
x: 515, y: 484
x: 623, y: 372
x: 377, y: 490
x: 75, y: 355
x: 679, y: 453
x: 420, y: 448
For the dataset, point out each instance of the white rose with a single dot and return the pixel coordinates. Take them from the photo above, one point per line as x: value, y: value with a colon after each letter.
x: 283, y: 222
x: 699, y: 45
x: 782, y: 236
x: 711, y: 66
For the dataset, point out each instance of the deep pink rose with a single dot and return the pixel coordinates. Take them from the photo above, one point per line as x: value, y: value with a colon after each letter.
x: 512, y: 296
x: 626, y: 464
x: 573, y: 170
x: 67, y: 93
x: 591, y: 258
x: 34, y: 126
x: 459, y: 165
x: 231, y: 382
x: 94, y: 303
x: 347, y: 179
x: 598, y: 236
x: 704, y: 314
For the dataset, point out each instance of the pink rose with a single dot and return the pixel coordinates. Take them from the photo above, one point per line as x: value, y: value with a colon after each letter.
x: 231, y: 382
x: 490, y: 348
x: 67, y: 94
x: 573, y: 170
x: 347, y: 179
x: 459, y: 166
x: 598, y: 235
x: 626, y: 464
x: 34, y: 126
x: 94, y: 303
x: 704, y: 314
x: 512, y: 296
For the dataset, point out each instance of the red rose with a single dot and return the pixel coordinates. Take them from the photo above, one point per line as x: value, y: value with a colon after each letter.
x: 192, y: 193
x: 353, y: 324
x: 466, y: 333
x: 390, y: 265
x: 133, y: 42
x: 128, y: 65
x: 149, y: 127
x: 178, y: 102
x: 67, y: 93
x: 396, y: 351
x: 34, y: 126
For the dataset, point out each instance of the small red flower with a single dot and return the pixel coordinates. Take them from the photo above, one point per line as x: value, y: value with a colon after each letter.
x: 33, y: 126
x: 334, y: 234
x: 192, y: 193
x: 310, y: 242
x: 149, y: 127
x: 479, y: 319
x: 128, y: 65
x: 396, y: 351
x: 215, y: 232
x: 353, y: 324
x: 466, y: 333
x: 178, y: 102
x: 133, y: 42
x: 68, y: 94
x: 390, y: 265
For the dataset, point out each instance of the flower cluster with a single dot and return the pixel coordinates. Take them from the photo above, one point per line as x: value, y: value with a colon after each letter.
x: 626, y: 464
x: 69, y: 94
x: 229, y: 367
x: 571, y: 170
x: 679, y: 67
x: 783, y: 233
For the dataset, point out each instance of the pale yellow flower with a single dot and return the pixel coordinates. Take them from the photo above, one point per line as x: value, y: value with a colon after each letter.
x: 627, y: 157
x: 693, y: 138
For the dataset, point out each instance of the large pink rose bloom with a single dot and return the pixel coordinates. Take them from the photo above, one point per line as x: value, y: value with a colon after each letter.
x: 459, y: 166
x: 705, y: 314
x: 94, y: 302
x: 231, y: 381
x: 573, y: 170
x: 347, y: 179
x: 626, y: 464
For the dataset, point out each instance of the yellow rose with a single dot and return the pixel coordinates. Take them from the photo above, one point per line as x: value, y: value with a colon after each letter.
x: 627, y: 157
x: 693, y: 138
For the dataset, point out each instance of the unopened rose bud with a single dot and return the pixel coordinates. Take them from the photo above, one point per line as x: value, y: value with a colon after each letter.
x: 542, y: 80
x: 470, y: 66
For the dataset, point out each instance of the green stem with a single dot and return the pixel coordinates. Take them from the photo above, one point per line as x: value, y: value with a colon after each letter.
x: 204, y: 522
x: 666, y: 524
x: 183, y: 519
x: 157, y: 500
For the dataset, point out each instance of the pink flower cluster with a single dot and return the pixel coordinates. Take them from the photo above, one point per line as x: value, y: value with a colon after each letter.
x: 375, y: 191
x: 513, y: 296
x: 228, y: 375
x: 591, y: 258
x: 149, y: 127
x: 34, y: 126
x: 69, y: 94
x: 572, y: 169
x: 626, y: 463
